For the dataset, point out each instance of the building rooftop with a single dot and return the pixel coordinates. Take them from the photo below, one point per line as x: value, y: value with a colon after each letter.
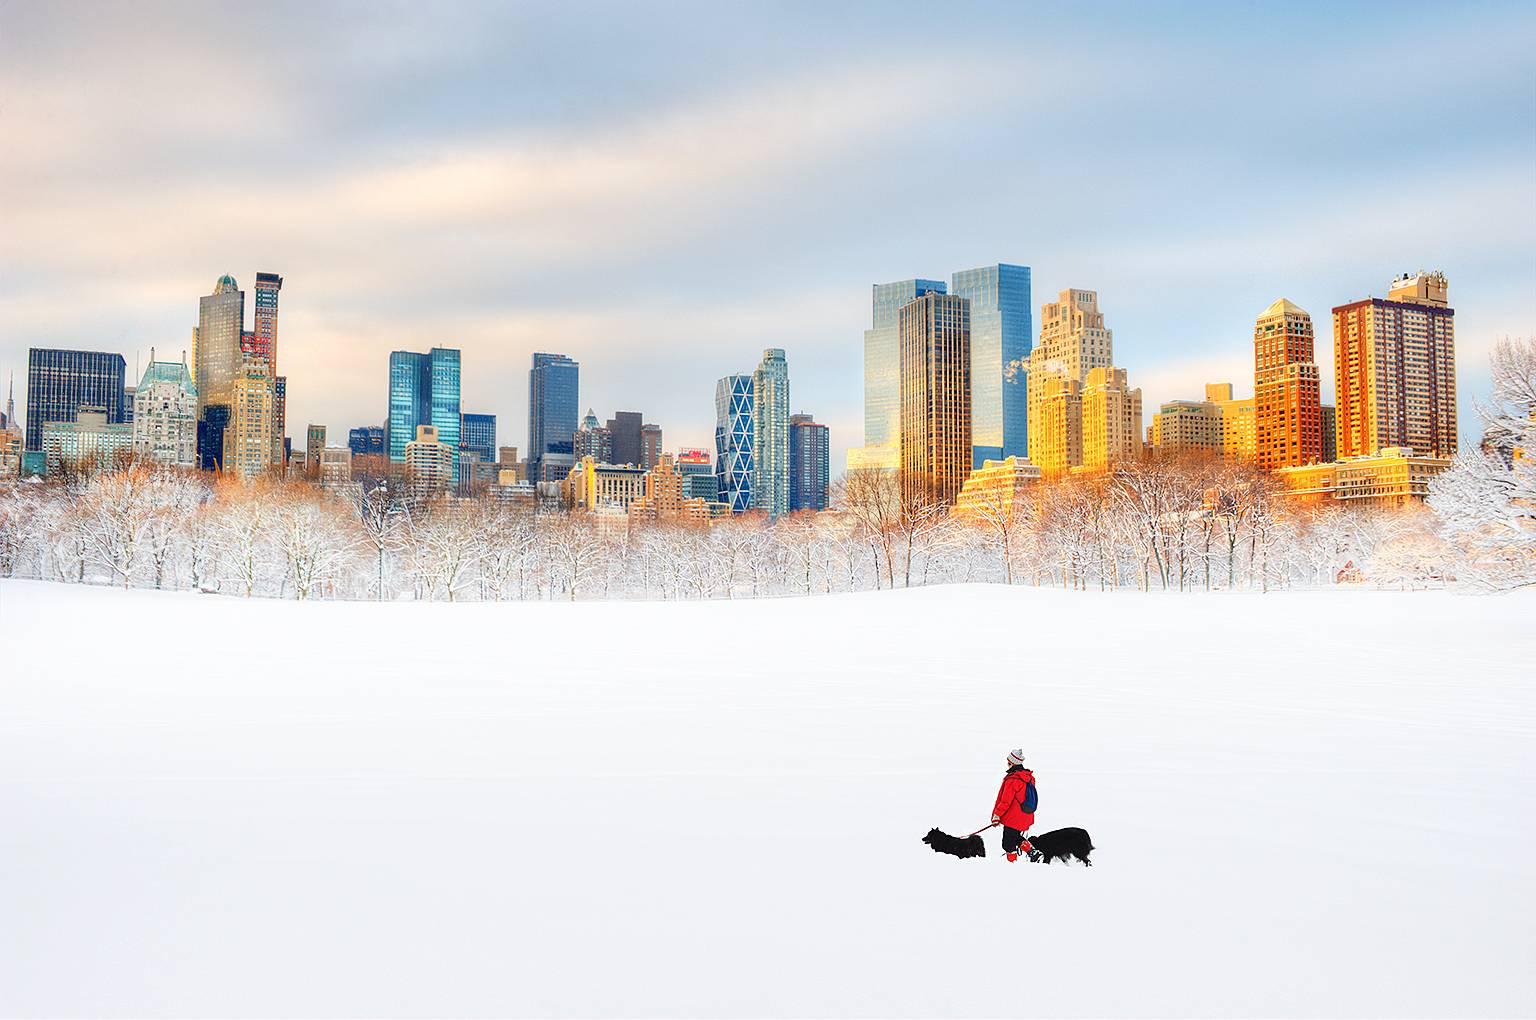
x: 1284, y: 307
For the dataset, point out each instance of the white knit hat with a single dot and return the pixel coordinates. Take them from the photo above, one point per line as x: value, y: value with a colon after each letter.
x: 1016, y: 756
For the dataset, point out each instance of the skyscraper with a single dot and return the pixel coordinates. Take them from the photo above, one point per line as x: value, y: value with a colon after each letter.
x: 1395, y: 370
x: 1002, y: 337
x: 935, y: 331
x: 553, y: 389
x: 1111, y: 419
x: 248, y: 448
x: 810, y: 452
x: 314, y: 446
x: 882, y: 360
x: 1287, y: 419
x: 478, y: 434
x: 220, y: 326
x: 1072, y: 332
x: 265, y: 345
x: 424, y: 390
x: 593, y: 440
x: 650, y: 445
x: 165, y: 415
x: 624, y: 428
x: 59, y: 382
x: 366, y: 440
x: 734, y: 463
x: 429, y: 463
x: 770, y: 441
x: 1055, y: 416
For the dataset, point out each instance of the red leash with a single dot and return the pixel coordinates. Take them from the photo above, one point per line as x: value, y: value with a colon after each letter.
x: 979, y: 831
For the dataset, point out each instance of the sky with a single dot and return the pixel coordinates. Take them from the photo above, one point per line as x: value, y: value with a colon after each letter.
x: 662, y: 192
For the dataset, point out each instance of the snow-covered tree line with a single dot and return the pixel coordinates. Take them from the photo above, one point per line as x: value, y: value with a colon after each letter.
x: 1150, y: 526
x: 1158, y: 524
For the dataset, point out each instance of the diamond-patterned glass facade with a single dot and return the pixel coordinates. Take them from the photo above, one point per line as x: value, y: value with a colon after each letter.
x: 734, y: 462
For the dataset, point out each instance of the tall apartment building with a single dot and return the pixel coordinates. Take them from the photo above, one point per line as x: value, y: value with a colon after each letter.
x: 593, y: 440
x: 264, y: 344
x: 165, y: 415
x: 1072, y: 332
x: 1287, y: 414
x: 810, y: 454
x: 1395, y: 370
x: 735, y: 466
x: 625, y: 427
x: 1237, y: 435
x: 1329, y: 419
x: 553, y: 390
x: 60, y: 382
x: 248, y: 436
x: 424, y: 390
x: 1055, y: 416
x: 1002, y: 337
x: 1182, y: 426
x: 650, y: 445
x: 935, y: 331
x: 429, y: 463
x: 770, y: 425
x: 1111, y: 419
x: 882, y: 369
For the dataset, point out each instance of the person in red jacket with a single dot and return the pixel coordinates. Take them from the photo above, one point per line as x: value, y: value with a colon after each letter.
x: 1015, y: 807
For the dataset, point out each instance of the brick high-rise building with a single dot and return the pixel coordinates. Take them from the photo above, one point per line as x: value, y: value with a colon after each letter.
x: 314, y: 445
x: 1287, y: 417
x: 810, y: 454
x: 624, y: 431
x: 248, y: 435
x: 935, y: 333
x: 650, y: 445
x: 1395, y: 370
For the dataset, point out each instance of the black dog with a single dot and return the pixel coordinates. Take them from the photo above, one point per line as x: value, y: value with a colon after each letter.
x: 944, y: 843
x: 1063, y: 843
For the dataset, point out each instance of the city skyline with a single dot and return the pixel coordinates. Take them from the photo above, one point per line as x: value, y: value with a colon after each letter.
x: 461, y: 213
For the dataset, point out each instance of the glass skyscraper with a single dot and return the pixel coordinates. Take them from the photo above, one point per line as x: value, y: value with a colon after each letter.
x: 770, y: 441
x: 479, y: 435
x: 1002, y: 335
x: 365, y: 440
x: 59, y: 382
x: 553, y: 390
x: 424, y: 390
x: 882, y: 360
x: 734, y: 466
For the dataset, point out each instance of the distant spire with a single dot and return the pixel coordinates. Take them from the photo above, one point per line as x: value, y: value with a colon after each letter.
x: 10, y: 401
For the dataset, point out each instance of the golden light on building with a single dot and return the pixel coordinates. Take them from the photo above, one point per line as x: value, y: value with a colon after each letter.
x: 996, y: 488
x: 1287, y: 414
x: 935, y: 337
x: 1055, y: 402
x: 1394, y: 477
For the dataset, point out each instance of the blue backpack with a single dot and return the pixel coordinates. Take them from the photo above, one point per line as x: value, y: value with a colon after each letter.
x: 1030, y: 798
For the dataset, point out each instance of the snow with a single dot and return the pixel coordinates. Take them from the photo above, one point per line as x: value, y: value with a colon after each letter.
x: 1305, y: 803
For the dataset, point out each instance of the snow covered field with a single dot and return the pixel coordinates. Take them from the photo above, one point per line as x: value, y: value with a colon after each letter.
x: 1304, y: 803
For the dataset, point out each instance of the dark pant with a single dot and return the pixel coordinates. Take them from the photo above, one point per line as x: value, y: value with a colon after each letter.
x: 1012, y: 840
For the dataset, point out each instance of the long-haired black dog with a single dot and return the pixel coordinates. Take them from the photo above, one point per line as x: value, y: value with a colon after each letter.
x: 1062, y: 843
x: 944, y: 843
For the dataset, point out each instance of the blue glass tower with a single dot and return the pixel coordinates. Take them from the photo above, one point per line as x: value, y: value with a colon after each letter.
x: 423, y: 390
x: 1002, y: 335
x: 734, y: 463
x: 882, y: 360
x: 479, y: 435
x: 59, y: 382
x: 368, y: 439
x: 553, y: 390
x: 810, y: 455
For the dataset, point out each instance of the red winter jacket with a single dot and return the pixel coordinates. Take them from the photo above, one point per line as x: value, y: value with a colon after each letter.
x: 1010, y: 800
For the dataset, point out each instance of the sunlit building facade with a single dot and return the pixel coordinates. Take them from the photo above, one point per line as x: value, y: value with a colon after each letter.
x: 935, y: 331
x: 1237, y: 434
x: 997, y: 488
x: 1183, y: 426
x: 1396, y: 476
x: 882, y: 363
x: 1111, y: 419
x: 1002, y: 336
x: 1288, y: 428
x: 593, y: 487
x: 248, y: 436
x: 1395, y: 370
x: 92, y: 442
x: 219, y: 358
x: 1072, y: 332
x: 1055, y: 417
x: 429, y: 463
